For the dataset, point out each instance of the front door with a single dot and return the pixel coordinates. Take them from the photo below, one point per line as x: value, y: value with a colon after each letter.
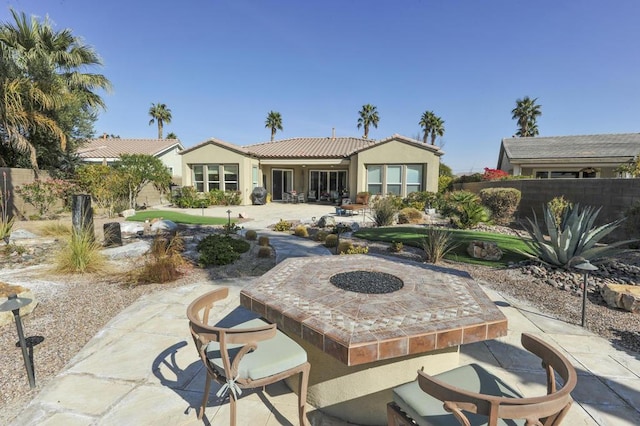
x: 281, y: 182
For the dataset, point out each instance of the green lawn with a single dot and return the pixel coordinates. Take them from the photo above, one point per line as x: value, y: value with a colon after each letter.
x: 413, y: 236
x: 177, y: 217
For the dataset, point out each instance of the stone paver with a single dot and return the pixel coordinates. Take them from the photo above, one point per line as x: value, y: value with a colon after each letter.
x: 142, y: 367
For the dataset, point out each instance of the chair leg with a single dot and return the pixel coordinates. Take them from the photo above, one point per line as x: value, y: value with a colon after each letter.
x: 302, y: 394
x: 205, y: 397
x: 232, y: 406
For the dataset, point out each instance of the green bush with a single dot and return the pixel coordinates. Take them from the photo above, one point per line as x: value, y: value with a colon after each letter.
x: 263, y: 241
x: 384, y: 209
x: 436, y: 244
x: 344, y: 246
x: 444, y: 184
x: 356, y: 250
x: 331, y: 240
x: 409, y: 215
x: 420, y: 200
x: 282, y: 226
x: 396, y: 247
x: 264, y: 252
x: 218, y: 250
x: 503, y: 203
x: 251, y: 235
x: 81, y: 253
x: 464, y: 210
x: 321, y: 236
x: 217, y: 197
x: 301, y: 231
x: 558, y: 207
x: 188, y: 197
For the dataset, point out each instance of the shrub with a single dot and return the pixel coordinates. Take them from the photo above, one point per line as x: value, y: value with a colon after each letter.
x: 571, y: 241
x: 503, y: 203
x: 409, y: 215
x: 263, y: 241
x: 558, y: 207
x: 331, y: 240
x: 163, y: 261
x: 42, y: 194
x: 384, y: 209
x: 282, y: 226
x: 231, y: 228
x: 321, y: 236
x: 436, y: 244
x: 217, y: 250
x: 6, y: 219
x: 357, y: 250
x: 464, y: 210
x: 81, y: 253
x: 444, y: 184
x: 264, y: 252
x: 188, y: 197
x: 251, y: 235
x: 420, y: 200
x: 344, y: 246
x: 494, y: 174
x: 55, y: 229
x: 396, y: 247
x: 301, y: 231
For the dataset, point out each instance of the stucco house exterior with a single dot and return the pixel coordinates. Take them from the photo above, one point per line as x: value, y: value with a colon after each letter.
x: 586, y: 156
x: 318, y: 168
x: 107, y: 151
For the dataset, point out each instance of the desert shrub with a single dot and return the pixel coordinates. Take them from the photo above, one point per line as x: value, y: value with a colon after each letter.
x: 263, y: 241
x: 301, y: 231
x: 384, y: 209
x: 444, y: 184
x: 55, y: 229
x: 494, y: 174
x: 163, y: 262
x: 321, y: 236
x: 231, y: 228
x: 420, y: 200
x: 218, y: 250
x: 396, y: 247
x: 409, y: 215
x: 11, y: 248
x: 188, y: 197
x: 558, y: 206
x: 356, y: 250
x: 264, y: 252
x: 81, y: 253
x: 331, y: 240
x: 503, y: 203
x: 251, y: 235
x: 343, y: 246
x: 241, y: 246
x: 282, y: 226
x: 436, y: 244
x: 42, y: 194
x: 464, y: 210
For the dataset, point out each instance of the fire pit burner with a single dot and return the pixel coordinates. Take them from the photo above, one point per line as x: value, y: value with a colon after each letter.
x: 369, y: 282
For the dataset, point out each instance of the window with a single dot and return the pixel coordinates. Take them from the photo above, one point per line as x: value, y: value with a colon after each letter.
x: 213, y: 177
x: 374, y: 179
x: 213, y: 181
x: 394, y: 180
x: 254, y: 176
x: 231, y: 178
x: 198, y: 177
x: 563, y: 175
x: 414, y: 178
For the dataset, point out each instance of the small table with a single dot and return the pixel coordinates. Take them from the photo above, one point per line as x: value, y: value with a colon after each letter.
x: 361, y: 345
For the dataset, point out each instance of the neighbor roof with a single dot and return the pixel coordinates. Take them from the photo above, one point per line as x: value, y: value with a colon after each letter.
x: 114, y: 147
x: 585, y: 146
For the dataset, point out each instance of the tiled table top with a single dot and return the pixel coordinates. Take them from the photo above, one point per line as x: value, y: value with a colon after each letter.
x: 437, y: 308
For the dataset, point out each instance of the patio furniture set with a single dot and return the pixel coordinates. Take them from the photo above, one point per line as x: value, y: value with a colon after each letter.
x: 355, y: 353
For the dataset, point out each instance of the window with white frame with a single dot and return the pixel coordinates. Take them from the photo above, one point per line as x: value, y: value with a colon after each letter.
x: 198, y: 177
x: 414, y: 178
x: 374, y: 179
x: 231, y: 177
x: 207, y: 177
x: 213, y: 177
x: 394, y: 180
x: 397, y: 179
x: 254, y: 176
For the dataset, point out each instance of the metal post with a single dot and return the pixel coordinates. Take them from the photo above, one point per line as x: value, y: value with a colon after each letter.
x: 585, y: 267
x: 13, y: 304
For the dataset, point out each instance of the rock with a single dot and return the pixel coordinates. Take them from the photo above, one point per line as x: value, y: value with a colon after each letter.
x: 622, y: 296
x: 163, y: 225
x: 326, y: 220
x: 131, y: 228
x: 354, y: 226
x: 133, y: 250
x: 21, y: 234
x: 7, y: 317
x: 127, y: 213
x: 484, y: 250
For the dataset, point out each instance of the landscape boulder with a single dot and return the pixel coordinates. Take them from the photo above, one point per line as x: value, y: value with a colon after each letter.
x: 622, y: 296
x: 131, y: 228
x: 484, y: 250
x: 128, y: 251
x: 163, y: 225
x: 128, y: 213
x: 326, y: 220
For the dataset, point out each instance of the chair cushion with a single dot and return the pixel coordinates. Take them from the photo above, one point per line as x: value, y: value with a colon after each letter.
x: 272, y: 356
x: 428, y: 411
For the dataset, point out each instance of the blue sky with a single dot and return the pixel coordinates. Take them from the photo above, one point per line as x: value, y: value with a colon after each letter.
x: 222, y: 65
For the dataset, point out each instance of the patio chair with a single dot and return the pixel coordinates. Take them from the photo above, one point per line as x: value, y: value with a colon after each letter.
x: 472, y: 395
x: 250, y: 354
x: 286, y: 197
x: 300, y: 197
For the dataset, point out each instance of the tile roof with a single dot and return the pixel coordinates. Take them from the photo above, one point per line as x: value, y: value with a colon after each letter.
x: 221, y: 143
x: 114, y: 147
x: 582, y: 146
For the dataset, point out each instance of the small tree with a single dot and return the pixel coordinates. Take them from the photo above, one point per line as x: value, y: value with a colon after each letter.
x: 106, y: 185
x: 140, y: 170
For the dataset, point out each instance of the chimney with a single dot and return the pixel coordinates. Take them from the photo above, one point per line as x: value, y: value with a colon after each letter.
x: 104, y: 135
x: 333, y: 133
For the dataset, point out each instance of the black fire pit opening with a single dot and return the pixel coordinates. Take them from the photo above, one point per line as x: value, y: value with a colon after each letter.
x: 369, y: 282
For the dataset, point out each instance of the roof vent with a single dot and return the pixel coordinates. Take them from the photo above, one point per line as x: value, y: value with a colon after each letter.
x: 333, y: 133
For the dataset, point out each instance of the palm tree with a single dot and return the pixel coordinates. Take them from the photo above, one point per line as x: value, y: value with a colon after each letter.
x: 159, y: 114
x: 425, y: 122
x: 368, y: 117
x: 526, y: 113
x: 172, y: 135
x: 437, y: 128
x: 273, y: 122
x: 40, y: 73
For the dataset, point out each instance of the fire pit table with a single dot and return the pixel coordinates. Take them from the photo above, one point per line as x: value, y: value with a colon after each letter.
x: 369, y: 323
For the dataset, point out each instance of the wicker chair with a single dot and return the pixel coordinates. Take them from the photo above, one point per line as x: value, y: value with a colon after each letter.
x: 250, y: 354
x: 480, y: 398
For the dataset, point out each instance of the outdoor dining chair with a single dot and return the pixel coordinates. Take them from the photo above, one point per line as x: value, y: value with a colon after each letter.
x: 249, y: 354
x: 471, y: 395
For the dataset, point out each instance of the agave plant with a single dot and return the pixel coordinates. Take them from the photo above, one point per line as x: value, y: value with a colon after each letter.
x: 571, y: 241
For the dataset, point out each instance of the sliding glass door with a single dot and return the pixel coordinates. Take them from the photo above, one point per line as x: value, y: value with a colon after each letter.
x: 323, y: 182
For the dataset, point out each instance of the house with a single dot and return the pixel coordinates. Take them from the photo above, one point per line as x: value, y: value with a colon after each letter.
x: 319, y: 168
x: 587, y: 156
x: 107, y: 151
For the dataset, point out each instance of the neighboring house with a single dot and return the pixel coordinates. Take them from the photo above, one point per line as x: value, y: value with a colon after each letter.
x: 320, y: 168
x: 108, y: 150
x: 588, y: 156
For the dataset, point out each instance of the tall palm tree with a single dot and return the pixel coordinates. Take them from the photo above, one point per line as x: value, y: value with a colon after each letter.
x: 526, y: 113
x: 273, y: 122
x: 172, y: 135
x: 40, y: 73
x: 368, y: 117
x: 425, y: 122
x: 437, y: 128
x: 159, y: 114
